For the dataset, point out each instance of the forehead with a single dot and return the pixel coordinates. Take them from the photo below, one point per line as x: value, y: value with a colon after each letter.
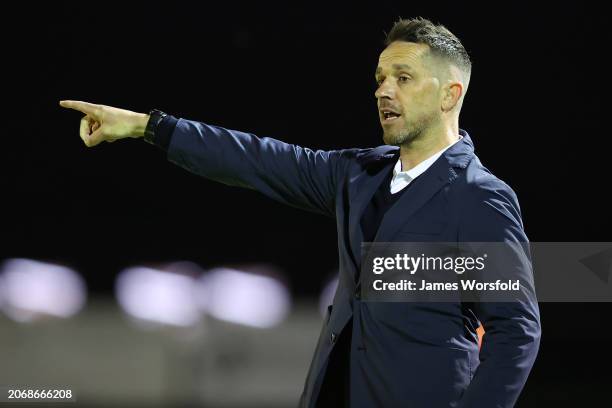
x: 404, y: 53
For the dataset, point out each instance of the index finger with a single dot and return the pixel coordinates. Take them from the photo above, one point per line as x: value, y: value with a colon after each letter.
x: 85, y: 107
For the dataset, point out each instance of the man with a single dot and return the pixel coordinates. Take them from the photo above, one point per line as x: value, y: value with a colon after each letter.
x: 425, y: 184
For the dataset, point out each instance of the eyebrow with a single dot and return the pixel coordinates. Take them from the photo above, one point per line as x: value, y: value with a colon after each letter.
x: 396, y: 67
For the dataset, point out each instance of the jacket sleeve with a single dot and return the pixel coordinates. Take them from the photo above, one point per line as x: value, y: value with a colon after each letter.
x: 293, y: 175
x: 512, y: 329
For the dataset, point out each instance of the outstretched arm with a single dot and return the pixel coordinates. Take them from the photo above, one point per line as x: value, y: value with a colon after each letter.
x: 288, y: 173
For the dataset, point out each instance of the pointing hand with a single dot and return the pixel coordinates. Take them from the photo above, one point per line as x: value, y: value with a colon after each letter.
x: 103, y: 123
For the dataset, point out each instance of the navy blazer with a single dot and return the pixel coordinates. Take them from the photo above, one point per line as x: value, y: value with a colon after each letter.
x: 403, y: 354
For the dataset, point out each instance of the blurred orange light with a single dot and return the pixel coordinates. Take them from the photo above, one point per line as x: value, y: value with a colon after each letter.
x: 480, y: 331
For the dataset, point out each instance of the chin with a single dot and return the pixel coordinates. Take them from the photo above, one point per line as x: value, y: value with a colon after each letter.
x: 392, y: 139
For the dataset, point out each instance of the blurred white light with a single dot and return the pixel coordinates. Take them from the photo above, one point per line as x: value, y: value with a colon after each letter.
x: 32, y: 289
x: 157, y: 296
x: 1, y: 291
x: 244, y: 298
x: 327, y: 294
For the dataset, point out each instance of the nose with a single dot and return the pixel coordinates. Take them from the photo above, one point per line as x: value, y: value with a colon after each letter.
x: 385, y: 90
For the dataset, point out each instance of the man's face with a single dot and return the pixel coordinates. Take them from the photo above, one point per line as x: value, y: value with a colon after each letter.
x: 408, y: 91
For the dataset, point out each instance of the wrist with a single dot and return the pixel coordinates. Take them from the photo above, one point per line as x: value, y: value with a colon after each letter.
x: 155, y: 118
x: 140, y: 124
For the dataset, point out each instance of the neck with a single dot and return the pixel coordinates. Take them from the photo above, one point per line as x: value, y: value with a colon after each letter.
x: 429, y: 142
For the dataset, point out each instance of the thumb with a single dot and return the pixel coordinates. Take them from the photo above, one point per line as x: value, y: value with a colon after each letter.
x: 91, y: 131
x: 95, y: 138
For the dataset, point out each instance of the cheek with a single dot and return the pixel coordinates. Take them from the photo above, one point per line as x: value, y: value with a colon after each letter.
x: 420, y: 98
x: 417, y: 95
x: 417, y: 102
x: 424, y: 103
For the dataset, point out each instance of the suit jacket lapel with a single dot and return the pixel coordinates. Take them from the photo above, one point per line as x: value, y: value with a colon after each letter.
x: 442, y: 172
x: 362, y: 188
x: 425, y: 187
x: 377, y: 163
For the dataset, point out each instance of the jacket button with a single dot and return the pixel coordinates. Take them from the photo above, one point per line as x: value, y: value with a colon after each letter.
x: 333, y: 337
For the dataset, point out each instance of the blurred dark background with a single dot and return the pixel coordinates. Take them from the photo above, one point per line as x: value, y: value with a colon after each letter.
x: 303, y: 73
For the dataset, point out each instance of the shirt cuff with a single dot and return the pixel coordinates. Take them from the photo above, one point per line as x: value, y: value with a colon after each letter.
x: 163, y: 132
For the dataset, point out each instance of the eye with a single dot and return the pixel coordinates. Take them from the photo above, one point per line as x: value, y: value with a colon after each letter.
x: 404, y: 78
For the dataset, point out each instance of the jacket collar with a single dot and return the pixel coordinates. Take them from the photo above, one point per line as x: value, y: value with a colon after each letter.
x: 458, y: 155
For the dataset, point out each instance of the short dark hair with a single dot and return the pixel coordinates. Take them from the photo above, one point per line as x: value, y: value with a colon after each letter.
x: 441, y: 41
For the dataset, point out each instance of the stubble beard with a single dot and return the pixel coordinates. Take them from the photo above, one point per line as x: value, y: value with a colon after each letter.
x: 410, y: 132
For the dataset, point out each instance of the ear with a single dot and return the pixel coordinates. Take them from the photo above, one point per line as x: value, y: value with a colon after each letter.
x: 451, y: 94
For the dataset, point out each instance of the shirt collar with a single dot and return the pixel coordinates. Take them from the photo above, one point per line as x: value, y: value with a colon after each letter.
x: 422, y: 166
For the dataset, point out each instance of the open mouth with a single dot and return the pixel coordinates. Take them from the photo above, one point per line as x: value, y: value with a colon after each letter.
x: 388, y: 116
